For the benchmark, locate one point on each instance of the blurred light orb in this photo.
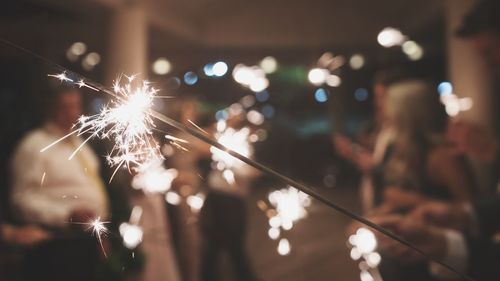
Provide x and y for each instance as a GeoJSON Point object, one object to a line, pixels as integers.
{"type": "Point", "coordinates": [259, 84]}
{"type": "Point", "coordinates": [321, 95]}
{"type": "Point", "coordinates": [195, 201]}
{"type": "Point", "coordinates": [92, 58]}
{"type": "Point", "coordinates": [284, 247]}
{"type": "Point", "coordinates": [275, 222]}
{"type": "Point", "coordinates": [219, 69]}
{"type": "Point", "coordinates": [365, 241]}
{"type": "Point", "coordinates": [173, 198]}
{"type": "Point", "coordinates": [390, 37]}
{"type": "Point", "coordinates": [242, 74]}
{"type": "Point", "coordinates": [78, 48]}
{"type": "Point", "coordinates": [413, 50]}
{"type": "Point", "coordinates": [235, 109]}
{"type": "Point", "coordinates": [190, 78]}
{"type": "Point", "coordinates": [355, 254]}
{"type": "Point", "coordinates": [162, 66]}
{"type": "Point", "coordinates": [90, 61]}
{"type": "Point", "coordinates": [445, 88]}
{"type": "Point", "coordinates": [131, 235]}
{"type": "Point", "coordinates": [366, 276]}
{"type": "Point", "coordinates": [268, 111]}
{"type": "Point", "coordinates": [357, 61]}
{"type": "Point", "coordinates": [208, 69]}
{"type": "Point", "coordinates": [262, 96]}
{"type": "Point", "coordinates": [255, 117]}
{"type": "Point", "coordinates": [373, 259]}
{"type": "Point", "coordinates": [221, 115]}
{"type": "Point", "coordinates": [274, 233]}
{"type": "Point", "coordinates": [333, 80]}
{"type": "Point", "coordinates": [317, 76]}
{"type": "Point", "coordinates": [269, 64]}
{"type": "Point", "coordinates": [247, 101]}
{"type": "Point", "coordinates": [361, 94]}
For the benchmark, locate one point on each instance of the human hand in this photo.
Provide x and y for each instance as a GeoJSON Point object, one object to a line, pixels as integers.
{"type": "Point", "coordinates": [431, 240]}
{"type": "Point", "coordinates": [396, 199]}
{"type": "Point", "coordinates": [26, 236]}
{"type": "Point", "coordinates": [342, 146]}
{"type": "Point", "coordinates": [455, 216]}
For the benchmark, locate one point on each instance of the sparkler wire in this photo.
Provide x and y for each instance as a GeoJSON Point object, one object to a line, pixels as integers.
{"type": "Point", "coordinates": [266, 170]}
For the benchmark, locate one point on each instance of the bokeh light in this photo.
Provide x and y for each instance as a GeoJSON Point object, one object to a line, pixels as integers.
{"type": "Point", "coordinates": [321, 95]}
{"type": "Point", "coordinates": [357, 61]}
{"type": "Point", "coordinates": [190, 78]}
{"type": "Point", "coordinates": [361, 94]}
{"type": "Point", "coordinates": [269, 64]}
{"type": "Point", "coordinates": [219, 69]}
{"type": "Point", "coordinates": [390, 37]}
{"type": "Point", "coordinates": [162, 66]}
{"type": "Point", "coordinates": [317, 76]}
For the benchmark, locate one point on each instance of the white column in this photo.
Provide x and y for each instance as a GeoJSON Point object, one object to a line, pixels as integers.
{"type": "Point", "coordinates": [470, 77]}
{"type": "Point", "coordinates": [127, 52]}
{"type": "Point", "coordinates": [127, 55]}
{"type": "Point", "coordinates": [468, 72]}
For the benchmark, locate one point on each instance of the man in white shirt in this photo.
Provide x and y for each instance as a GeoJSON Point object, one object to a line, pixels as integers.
{"type": "Point", "coordinates": [51, 191]}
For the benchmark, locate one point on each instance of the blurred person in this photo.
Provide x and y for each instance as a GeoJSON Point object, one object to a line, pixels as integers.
{"type": "Point", "coordinates": [419, 163]}
{"type": "Point", "coordinates": [366, 157]}
{"type": "Point", "coordinates": [58, 194]}
{"type": "Point", "coordinates": [223, 221]}
{"type": "Point", "coordinates": [461, 234]}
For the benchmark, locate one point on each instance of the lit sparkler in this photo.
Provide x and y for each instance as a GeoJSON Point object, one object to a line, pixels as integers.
{"type": "Point", "coordinates": [98, 228]}
{"type": "Point", "coordinates": [126, 120]}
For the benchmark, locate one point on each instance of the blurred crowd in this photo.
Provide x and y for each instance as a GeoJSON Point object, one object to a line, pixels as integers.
{"type": "Point", "coordinates": [417, 178]}
{"type": "Point", "coordinates": [417, 182]}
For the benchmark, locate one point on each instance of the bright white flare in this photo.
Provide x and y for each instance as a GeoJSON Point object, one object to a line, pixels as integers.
{"type": "Point", "coordinates": [284, 247]}
{"type": "Point", "coordinates": [390, 37]}
{"type": "Point", "coordinates": [131, 235]}
{"type": "Point", "coordinates": [290, 205]}
{"type": "Point", "coordinates": [99, 229]}
{"type": "Point", "coordinates": [153, 177]}
{"type": "Point", "coordinates": [236, 140]}
{"type": "Point", "coordinates": [252, 77]}
{"type": "Point", "coordinates": [317, 76]}
{"type": "Point", "coordinates": [131, 232]}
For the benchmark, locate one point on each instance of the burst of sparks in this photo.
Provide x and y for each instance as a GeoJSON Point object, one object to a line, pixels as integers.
{"type": "Point", "coordinates": [99, 229]}
{"type": "Point", "coordinates": [236, 140]}
{"type": "Point", "coordinates": [126, 120]}
{"type": "Point", "coordinates": [290, 205]}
